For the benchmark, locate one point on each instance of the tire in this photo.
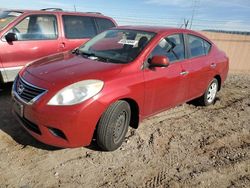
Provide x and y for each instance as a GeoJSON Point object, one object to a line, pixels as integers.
{"type": "Point", "coordinates": [209, 96]}
{"type": "Point", "coordinates": [113, 126]}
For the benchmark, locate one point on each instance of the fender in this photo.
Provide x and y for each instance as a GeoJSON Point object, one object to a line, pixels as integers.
{"type": "Point", "coordinates": [134, 92]}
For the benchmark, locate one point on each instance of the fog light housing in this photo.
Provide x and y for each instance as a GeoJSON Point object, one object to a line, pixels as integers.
{"type": "Point", "coordinates": [57, 133]}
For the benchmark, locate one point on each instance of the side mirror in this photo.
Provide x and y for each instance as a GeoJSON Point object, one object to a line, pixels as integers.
{"type": "Point", "coordinates": [159, 61]}
{"type": "Point", "coordinates": [10, 37]}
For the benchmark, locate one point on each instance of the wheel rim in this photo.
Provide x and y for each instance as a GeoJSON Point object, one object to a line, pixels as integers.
{"type": "Point", "coordinates": [212, 90]}
{"type": "Point", "coordinates": [120, 127]}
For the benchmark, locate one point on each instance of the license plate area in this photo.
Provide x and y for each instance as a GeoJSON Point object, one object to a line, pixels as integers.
{"type": "Point", "coordinates": [18, 107]}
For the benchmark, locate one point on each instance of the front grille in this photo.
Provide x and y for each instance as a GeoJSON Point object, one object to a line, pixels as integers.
{"type": "Point", "coordinates": [29, 125]}
{"type": "Point", "coordinates": [26, 91]}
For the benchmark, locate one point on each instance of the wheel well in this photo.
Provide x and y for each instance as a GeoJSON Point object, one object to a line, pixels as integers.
{"type": "Point", "coordinates": [219, 81]}
{"type": "Point", "coordinates": [134, 122]}
{"type": "Point", "coordinates": [1, 78]}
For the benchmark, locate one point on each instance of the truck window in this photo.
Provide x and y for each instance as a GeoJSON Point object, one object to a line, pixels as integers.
{"type": "Point", "coordinates": [78, 27]}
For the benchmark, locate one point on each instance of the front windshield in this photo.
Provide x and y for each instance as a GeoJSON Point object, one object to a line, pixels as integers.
{"type": "Point", "coordinates": [7, 16]}
{"type": "Point", "coordinates": [116, 46]}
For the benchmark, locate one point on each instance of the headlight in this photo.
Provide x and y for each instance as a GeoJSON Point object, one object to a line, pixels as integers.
{"type": "Point", "coordinates": [77, 92]}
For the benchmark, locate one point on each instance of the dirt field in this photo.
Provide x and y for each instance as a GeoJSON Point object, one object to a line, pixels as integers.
{"type": "Point", "coordinates": [183, 147]}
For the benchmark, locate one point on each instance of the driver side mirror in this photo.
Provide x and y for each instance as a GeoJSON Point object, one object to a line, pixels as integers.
{"type": "Point", "coordinates": [10, 37]}
{"type": "Point", "coordinates": [159, 61]}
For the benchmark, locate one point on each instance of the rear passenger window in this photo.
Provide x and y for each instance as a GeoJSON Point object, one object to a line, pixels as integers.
{"type": "Point", "coordinates": [104, 24]}
{"type": "Point", "coordinates": [198, 46]}
{"type": "Point", "coordinates": [36, 27]}
{"type": "Point", "coordinates": [78, 27]}
{"type": "Point", "coordinates": [207, 47]}
{"type": "Point", "coordinates": [172, 47]}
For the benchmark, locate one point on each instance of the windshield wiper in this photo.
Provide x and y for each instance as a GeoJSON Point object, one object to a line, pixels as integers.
{"type": "Point", "coordinates": [78, 52]}
{"type": "Point", "coordinates": [87, 54]}
{"type": "Point", "coordinates": [99, 58]}
{"type": "Point", "coordinates": [109, 60]}
{"type": "Point", "coordinates": [75, 51]}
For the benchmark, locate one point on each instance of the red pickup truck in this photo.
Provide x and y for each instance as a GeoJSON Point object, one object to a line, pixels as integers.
{"type": "Point", "coordinates": [28, 35]}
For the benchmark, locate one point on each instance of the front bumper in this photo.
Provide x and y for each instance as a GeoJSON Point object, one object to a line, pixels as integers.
{"type": "Point", "coordinates": [61, 126]}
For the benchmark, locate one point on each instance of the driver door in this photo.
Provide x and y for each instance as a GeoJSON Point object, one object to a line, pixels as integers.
{"type": "Point", "coordinates": [165, 87]}
{"type": "Point", "coordinates": [37, 36]}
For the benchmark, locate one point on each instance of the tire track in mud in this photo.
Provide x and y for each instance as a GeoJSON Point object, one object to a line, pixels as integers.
{"type": "Point", "coordinates": [182, 147]}
{"type": "Point", "coordinates": [220, 158]}
{"type": "Point", "coordinates": [224, 157]}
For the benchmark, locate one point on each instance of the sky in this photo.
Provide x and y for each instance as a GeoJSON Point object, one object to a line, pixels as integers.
{"type": "Point", "coordinates": [207, 14]}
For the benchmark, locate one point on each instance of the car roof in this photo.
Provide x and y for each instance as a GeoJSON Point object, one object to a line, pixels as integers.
{"type": "Point", "coordinates": [161, 30]}
{"type": "Point", "coordinates": [155, 29]}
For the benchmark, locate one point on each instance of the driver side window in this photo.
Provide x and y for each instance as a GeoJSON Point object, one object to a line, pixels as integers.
{"type": "Point", "coordinates": [171, 47]}
{"type": "Point", "coordinates": [36, 27]}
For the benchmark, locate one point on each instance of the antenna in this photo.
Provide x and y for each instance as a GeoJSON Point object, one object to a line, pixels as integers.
{"type": "Point", "coordinates": [195, 5]}
{"type": "Point", "coordinates": [186, 22]}
{"type": "Point", "coordinates": [75, 8]}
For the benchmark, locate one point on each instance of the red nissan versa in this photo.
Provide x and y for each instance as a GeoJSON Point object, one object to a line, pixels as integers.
{"type": "Point", "coordinates": [27, 35]}
{"type": "Point", "coordinates": [116, 79]}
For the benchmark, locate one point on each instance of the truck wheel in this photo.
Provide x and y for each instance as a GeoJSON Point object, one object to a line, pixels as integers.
{"type": "Point", "coordinates": [113, 126]}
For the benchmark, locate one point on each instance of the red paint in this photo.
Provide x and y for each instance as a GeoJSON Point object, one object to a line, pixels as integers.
{"type": "Point", "coordinates": [154, 90]}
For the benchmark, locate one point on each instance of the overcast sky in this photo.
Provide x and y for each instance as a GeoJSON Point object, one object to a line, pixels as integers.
{"type": "Point", "coordinates": [208, 14]}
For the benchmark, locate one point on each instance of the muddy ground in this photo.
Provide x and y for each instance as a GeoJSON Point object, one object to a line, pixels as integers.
{"type": "Point", "coordinates": [183, 147]}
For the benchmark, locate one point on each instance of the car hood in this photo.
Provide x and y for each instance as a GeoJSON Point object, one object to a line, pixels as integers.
{"type": "Point", "coordinates": [67, 68]}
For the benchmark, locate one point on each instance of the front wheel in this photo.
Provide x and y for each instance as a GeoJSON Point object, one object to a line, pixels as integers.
{"type": "Point", "coordinates": [209, 96]}
{"type": "Point", "coordinates": [113, 126]}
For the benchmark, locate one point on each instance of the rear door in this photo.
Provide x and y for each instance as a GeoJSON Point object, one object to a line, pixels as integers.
{"type": "Point", "coordinates": [37, 37]}
{"type": "Point", "coordinates": [197, 70]}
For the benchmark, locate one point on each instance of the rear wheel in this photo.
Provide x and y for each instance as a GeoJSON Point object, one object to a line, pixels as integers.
{"type": "Point", "coordinates": [113, 126]}
{"type": "Point", "coordinates": [209, 96]}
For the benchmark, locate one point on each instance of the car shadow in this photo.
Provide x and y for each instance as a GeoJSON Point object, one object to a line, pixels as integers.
{"type": "Point", "coordinates": [10, 125]}
{"type": "Point", "coordinates": [196, 103]}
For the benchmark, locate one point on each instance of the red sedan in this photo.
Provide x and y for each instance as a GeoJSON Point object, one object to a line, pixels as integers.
{"type": "Point", "coordinates": [114, 81]}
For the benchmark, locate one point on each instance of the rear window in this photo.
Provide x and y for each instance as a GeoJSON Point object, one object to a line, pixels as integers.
{"type": "Point", "coordinates": [207, 46]}
{"type": "Point", "coordinates": [198, 46]}
{"type": "Point", "coordinates": [78, 27]}
{"type": "Point", "coordinates": [104, 24]}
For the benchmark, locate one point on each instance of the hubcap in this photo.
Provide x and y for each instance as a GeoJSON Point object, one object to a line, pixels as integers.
{"type": "Point", "coordinates": [212, 90]}
{"type": "Point", "coordinates": [119, 127]}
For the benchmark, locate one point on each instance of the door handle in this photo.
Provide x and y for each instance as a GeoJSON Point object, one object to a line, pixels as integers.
{"type": "Point", "coordinates": [213, 65]}
{"type": "Point", "coordinates": [183, 73]}
{"type": "Point", "coordinates": [62, 45]}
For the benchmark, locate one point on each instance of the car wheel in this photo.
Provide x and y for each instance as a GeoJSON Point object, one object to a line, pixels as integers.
{"type": "Point", "coordinates": [209, 96]}
{"type": "Point", "coordinates": [113, 126]}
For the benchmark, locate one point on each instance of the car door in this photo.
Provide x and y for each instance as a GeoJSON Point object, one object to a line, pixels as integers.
{"type": "Point", "coordinates": [77, 30]}
{"type": "Point", "coordinates": [37, 36]}
{"type": "Point", "coordinates": [197, 69]}
{"type": "Point", "coordinates": [164, 87]}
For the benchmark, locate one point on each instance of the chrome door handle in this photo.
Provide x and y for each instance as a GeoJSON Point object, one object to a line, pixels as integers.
{"type": "Point", "coordinates": [184, 73]}
{"type": "Point", "coordinates": [213, 65]}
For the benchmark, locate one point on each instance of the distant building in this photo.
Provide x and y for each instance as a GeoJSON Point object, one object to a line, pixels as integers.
{"type": "Point", "coordinates": [229, 32]}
